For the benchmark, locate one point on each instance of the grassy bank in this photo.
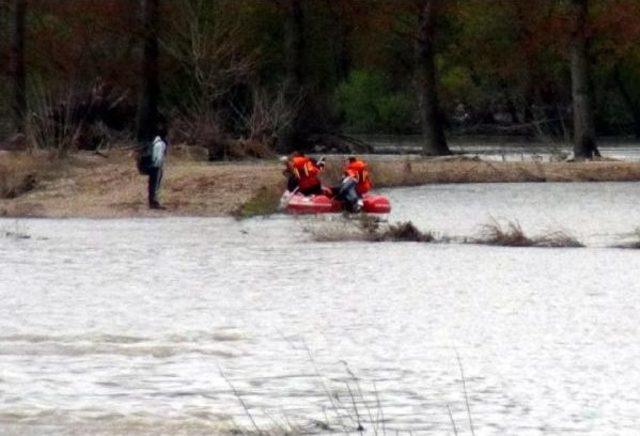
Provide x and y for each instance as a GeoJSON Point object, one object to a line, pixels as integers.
{"type": "Point", "coordinates": [464, 170]}
{"type": "Point", "coordinates": [94, 186]}
{"type": "Point", "coordinates": [91, 185]}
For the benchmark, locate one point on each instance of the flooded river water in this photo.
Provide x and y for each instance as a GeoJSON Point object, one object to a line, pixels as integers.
{"type": "Point", "coordinates": [193, 326]}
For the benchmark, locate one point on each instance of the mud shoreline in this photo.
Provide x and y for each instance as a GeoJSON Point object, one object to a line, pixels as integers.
{"type": "Point", "coordinates": [88, 185]}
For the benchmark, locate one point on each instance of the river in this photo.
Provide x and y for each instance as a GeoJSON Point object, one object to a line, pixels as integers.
{"type": "Point", "coordinates": [198, 326]}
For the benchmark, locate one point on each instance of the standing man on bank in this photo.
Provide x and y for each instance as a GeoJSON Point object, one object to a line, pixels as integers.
{"type": "Point", "coordinates": [158, 155]}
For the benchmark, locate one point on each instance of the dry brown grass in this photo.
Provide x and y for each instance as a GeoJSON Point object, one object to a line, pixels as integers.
{"type": "Point", "coordinates": [264, 201]}
{"type": "Point", "coordinates": [21, 172]}
{"type": "Point", "coordinates": [464, 170]}
{"type": "Point", "coordinates": [370, 229]}
{"type": "Point", "coordinates": [457, 169]}
{"type": "Point", "coordinates": [110, 187]}
{"type": "Point", "coordinates": [367, 228]}
{"type": "Point", "coordinates": [511, 235]}
{"type": "Point", "coordinates": [558, 239]}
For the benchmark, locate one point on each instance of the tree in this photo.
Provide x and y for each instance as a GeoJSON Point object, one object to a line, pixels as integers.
{"type": "Point", "coordinates": [295, 78]}
{"type": "Point", "coordinates": [148, 109]}
{"type": "Point", "coordinates": [343, 14]}
{"type": "Point", "coordinates": [582, 91]}
{"type": "Point", "coordinates": [616, 46]}
{"type": "Point", "coordinates": [206, 41]}
{"type": "Point", "coordinates": [17, 65]}
{"type": "Point", "coordinates": [630, 101]}
{"type": "Point", "coordinates": [435, 142]}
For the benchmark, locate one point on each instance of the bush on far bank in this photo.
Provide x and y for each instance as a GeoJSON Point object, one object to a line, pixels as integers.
{"type": "Point", "coordinates": [367, 103]}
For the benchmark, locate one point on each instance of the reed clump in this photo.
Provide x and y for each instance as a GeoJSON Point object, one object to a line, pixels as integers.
{"type": "Point", "coordinates": [368, 228]}
{"type": "Point", "coordinates": [404, 232]}
{"type": "Point", "coordinates": [510, 234]}
{"type": "Point", "coordinates": [558, 239]}
{"type": "Point", "coordinates": [634, 243]}
{"type": "Point", "coordinates": [352, 406]}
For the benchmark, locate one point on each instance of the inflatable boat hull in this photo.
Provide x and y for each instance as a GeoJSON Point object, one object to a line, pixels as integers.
{"type": "Point", "coordinates": [313, 204]}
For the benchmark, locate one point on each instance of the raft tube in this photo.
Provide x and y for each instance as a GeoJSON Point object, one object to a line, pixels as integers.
{"type": "Point", "coordinates": [313, 204]}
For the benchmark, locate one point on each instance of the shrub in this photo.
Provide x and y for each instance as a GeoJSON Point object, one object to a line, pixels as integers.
{"type": "Point", "coordinates": [395, 112]}
{"type": "Point", "coordinates": [368, 104]}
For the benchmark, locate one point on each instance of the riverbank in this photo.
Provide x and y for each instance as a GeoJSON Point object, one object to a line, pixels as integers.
{"type": "Point", "coordinates": [90, 185]}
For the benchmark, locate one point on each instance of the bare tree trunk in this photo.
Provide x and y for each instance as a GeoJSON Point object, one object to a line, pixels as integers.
{"type": "Point", "coordinates": [583, 118]}
{"type": "Point", "coordinates": [295, 46]}
{"type": "Point", "coordinates": [344, 54]}
{"type": "Point", "coordinates": [148, 109]}
{"type": "Point", "coordinates": [435, 142]}
{"type": "Point", "coordinates": [17, 65]}
{"type": "Point", "coordinates": [343, 31]}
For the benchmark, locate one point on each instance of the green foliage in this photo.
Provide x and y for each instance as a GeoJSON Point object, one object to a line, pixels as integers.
{"type": "Point", "coordinates": [368, 104]}
{"type": "Point", "coordinates": [356, 100]}
{"type": "Point", "coordinates": [458, 87]}
{"type": "Point", "coordinates": [395, 112]}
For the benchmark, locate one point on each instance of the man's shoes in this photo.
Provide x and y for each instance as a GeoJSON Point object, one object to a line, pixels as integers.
{"type": "Point", "coordinates": [157, 206]}
{"type": "Point", "coordinates": [357, 207]}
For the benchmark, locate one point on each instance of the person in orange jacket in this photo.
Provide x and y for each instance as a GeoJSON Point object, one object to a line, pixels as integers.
{"type": "Point", "coordinates": [304, 174]}
{"type": "Point", "coordinates": [359, 170]}
{"type": "Point", "coordinates": [355, 184]}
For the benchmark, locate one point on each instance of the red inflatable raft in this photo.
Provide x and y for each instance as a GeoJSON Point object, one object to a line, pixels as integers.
{"type": "Point", "coordinates": [300, 204]}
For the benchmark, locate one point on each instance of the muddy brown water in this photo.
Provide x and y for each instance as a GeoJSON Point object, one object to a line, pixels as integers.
{"type": "Point", "coordinates": [163, 326]}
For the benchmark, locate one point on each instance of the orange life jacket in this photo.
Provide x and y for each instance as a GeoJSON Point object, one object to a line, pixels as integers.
{"type": "Point", "coordinates": [305, 171]}
{"type": "Point", "coordinates": [359, 170]}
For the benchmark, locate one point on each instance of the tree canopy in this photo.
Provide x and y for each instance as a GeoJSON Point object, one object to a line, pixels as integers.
{"type": "Point", "coordinates": [501, 65]}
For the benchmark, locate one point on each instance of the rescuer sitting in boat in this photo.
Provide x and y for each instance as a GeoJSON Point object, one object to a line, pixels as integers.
{"type": "Point", "coordinates": [292, 181]}
{"type": "Point", "coordinates": [303, 174]}
{"type": "Point", "coordinates": [355, 184]}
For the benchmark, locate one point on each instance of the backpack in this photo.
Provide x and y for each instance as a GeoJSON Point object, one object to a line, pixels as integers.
{"type": "Point", "coordinates": [143, 159]}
